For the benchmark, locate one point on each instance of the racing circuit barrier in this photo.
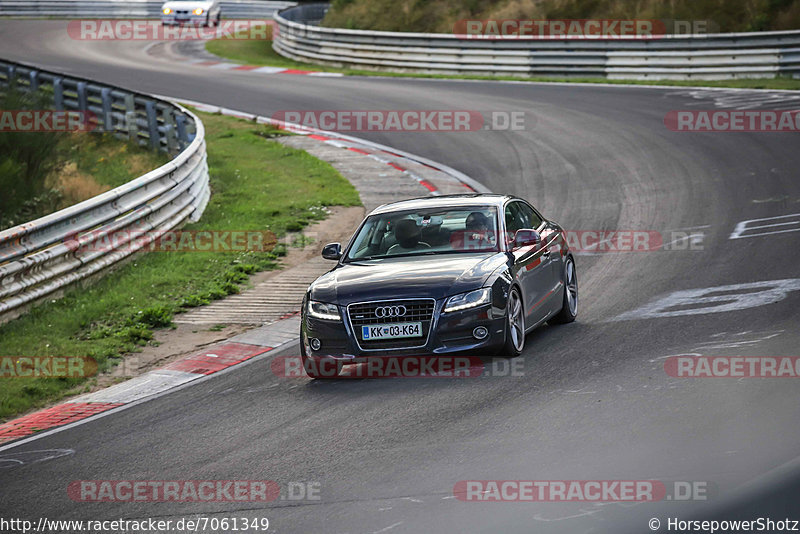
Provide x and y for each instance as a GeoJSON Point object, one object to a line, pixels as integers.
{"type": "Point", "coordinates": [670, 57]}
{"type": "Point", "coordinates": [231, 9]}
{"type": "Point", "coordinates": [41, 258]}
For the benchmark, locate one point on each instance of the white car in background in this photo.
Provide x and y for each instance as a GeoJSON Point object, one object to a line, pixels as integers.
{"type": "Point", "coordinates": [194, 12]}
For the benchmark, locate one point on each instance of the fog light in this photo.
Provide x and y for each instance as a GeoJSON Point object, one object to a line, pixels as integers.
{"type": "Point", "coordinates": [480, 332]}
{"type": "Point", "coordinates": [315, 343]}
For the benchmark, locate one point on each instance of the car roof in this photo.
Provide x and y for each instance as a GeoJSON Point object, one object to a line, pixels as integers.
{"type": "Point", "coordinates": [443, 201]}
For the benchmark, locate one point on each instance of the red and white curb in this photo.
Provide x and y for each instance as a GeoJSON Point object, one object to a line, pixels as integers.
{"type": "Point", "coordinates": [192, 367]}
{"type": "Point", "coordinates": [455, 181]}
{"type": "Point", "coordinates": [246, 347]}
{"type": "Point", "coordinates": [214, 62]}
{"type": "Point", "coordinates": [227, 65]}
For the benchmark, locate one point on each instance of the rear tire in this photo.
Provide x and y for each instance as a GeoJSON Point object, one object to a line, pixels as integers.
{"type": "Point", "coordinates": [569, 306]}
{"type": "Point", "coordinates": [515, 326]}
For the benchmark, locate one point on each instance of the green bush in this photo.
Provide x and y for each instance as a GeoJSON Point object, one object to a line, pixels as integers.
{"type": "Point", "coordinates": [25, 157]}
{"type": "Point", "coordinates": [156, 317]}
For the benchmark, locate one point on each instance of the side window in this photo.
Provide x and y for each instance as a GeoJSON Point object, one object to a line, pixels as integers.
{"type": "Point", "coordinates": [519, 215]}
{"type": "Point", "coordinates": [512, 222]}
{"type": "Point", "coordinates": [528, 217]}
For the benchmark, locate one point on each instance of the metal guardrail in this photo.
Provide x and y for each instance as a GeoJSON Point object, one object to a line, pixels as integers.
{"type": "Point", "coordinates": [41, 258]}
{"type": "Point", "coordinates": [696, 57]}
{"type": "Point", "coordinates": [231, 9]}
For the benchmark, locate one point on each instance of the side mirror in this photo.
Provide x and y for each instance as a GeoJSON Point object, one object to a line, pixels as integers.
{"type": "Point", "coordinates": [332, 251]}
{"type": "Point", "coordinates": [526, 238]}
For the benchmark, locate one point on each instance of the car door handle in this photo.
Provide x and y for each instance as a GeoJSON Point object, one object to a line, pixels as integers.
{"type": "Point", "coordinates": [546, 253]}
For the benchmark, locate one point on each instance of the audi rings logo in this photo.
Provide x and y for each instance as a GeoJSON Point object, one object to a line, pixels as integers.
{"type": "Point", "coordinates": [390, 311]}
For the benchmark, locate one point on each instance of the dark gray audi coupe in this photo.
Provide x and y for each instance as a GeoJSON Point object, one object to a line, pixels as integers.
{"type": "Point", "coordinates": [446, 275]}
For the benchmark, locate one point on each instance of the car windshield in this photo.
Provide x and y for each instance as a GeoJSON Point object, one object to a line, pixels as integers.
{"type": "Point", "coordinates": [427, 232]}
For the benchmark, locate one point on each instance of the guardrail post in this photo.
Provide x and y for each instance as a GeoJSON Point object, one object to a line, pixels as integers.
{"type": "Point", "coordinates": [105, 94]}
{"type": "Point", "coordinates": [58, 93]}
{"type": "Point", "coordinates": [152, 124]}
{"type": "Point", "coordinates": [11, 76]}
{"type": "Point", "coordinates": [180, 125]}
{"type": "Point", "coordinates": [131, 125]}
{"type": "Point", "coordinates": [169, 131]}
{"type": "Point", "coordinates": [83, 103]}
{"type": "Point", "coordinates": [33, 76]}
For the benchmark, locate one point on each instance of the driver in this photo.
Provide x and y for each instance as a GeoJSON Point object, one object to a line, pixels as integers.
{"type": "Point", "coordinates": [407, 234]}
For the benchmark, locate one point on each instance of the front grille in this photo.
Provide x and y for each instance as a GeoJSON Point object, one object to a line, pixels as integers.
{"type": "Point", "coordinates": [417, 310]}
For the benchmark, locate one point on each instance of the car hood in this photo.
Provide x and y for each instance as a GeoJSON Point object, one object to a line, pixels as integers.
{"type": "Point", "coordinates": [436, 277]}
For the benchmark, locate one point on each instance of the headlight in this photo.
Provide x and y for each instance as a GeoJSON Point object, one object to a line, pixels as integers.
{"type": "Point", "coordinates": [321, 310]}
{"type": "Point", "coordinates": [468, 300]}
{"type": "Point", "coordinates": [167, 11]}
{"type": "Point", "coordinates": [198, 11]}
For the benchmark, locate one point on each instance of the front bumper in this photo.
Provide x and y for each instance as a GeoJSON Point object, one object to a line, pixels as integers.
{"type": "Point", "coordinates": [450, 334]}
{"type": "Point", "coordinates": [180, 20]}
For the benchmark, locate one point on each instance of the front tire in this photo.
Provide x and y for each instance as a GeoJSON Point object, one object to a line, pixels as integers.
{"type": "Point", "coordinates": [515, 325]}
{"type": "Point", "coordinates": [569, 307]}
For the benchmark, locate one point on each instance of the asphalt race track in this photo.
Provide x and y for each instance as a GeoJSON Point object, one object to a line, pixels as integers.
{"type": "Point", "coordinates": [594, 401]}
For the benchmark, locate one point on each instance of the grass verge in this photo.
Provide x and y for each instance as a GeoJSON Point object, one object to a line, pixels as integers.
{"type": "Point", "coordinates": [257, 184]}
{"type": "Point", "coordinates": [83, 166]}
{"type": "Point", "coordinates": [255, 52]}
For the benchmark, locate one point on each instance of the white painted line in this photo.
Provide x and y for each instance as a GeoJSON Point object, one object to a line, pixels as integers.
{"type": "Point", "coordinates": [772, 225]}
{"type": "Point", "coordinates": [745, 226]}
{"type": "Point", "coordinates": [700, 227]}
{"type": "Point", "coordinates": [714, 299]}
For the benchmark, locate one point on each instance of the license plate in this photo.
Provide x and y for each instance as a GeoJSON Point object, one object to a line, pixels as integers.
{"type": "Point", "coordinates": [391, 331]}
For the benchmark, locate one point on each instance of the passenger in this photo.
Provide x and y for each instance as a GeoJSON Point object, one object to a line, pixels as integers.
{"type": "Point", "coordinates": [477, 234]}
